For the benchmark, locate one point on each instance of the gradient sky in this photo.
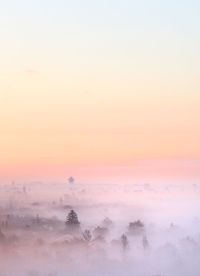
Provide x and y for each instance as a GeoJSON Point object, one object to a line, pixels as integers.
{"type": "Point", "coordinates": [97, 83]}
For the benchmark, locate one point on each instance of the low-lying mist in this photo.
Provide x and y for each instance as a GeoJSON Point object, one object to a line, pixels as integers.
{"type": "Point", "coordinates": [61, 229]}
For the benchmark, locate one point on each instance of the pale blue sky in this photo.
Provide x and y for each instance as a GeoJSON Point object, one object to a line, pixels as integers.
{"type": "Point", "coordinates": [126, 31]}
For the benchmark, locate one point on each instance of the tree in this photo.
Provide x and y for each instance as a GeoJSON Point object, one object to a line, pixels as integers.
{"type": "Point", "coordinates": [136, 227]}
{"type": "Point", "coordinates": [145, 242]}
{"type": "Point", "coordinates": [38, 220]}
{"type": "Point", "coordinates": [100, 231]}
{"type": "Point", "coordinates": [72, 220]}
{"type": "Point", "coordinates": [1, 235]}
{"type": "Point", "coordinates": [107, 222]}
{"type": "Point", "coordinates": [87, 235]}
{"type": "Point", "coordinates": [124, 242]}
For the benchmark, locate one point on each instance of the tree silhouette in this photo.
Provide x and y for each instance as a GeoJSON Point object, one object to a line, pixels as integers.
{"type": "Point", "coordinates": [100, 231]}
{"type": "Point", "coordinates": [145, 242]}
{"type": "Point", "coordinates": [136, 227]}
{"type": "Point", "coordinates": [72, 220]}
{"type": "Point", "coordinates": [2, 236]}
{"type": "Point", "coordinates": [107, 222]}
{"type": "Point", "coordinates": [124, 242]}
{"type": "Point", "coordinates": [87, 235]}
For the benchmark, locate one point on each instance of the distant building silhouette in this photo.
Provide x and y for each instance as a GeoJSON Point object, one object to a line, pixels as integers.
{"type": "Point", "coordinates": [71, 180]}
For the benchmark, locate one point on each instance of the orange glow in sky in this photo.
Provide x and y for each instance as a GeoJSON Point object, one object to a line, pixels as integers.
{"type": "Point", "coordinates": [73, 93]}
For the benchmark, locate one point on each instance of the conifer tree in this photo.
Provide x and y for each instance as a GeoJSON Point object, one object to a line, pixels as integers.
{"type": "Point", "coordinates": [72, 219]}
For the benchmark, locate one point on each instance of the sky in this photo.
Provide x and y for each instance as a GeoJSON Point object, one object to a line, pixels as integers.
{"type": "Point", "coordinates": [102, 84]}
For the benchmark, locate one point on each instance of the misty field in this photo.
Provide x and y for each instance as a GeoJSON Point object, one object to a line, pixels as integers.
{"type": "Point", "coordinates": [59, 229]}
